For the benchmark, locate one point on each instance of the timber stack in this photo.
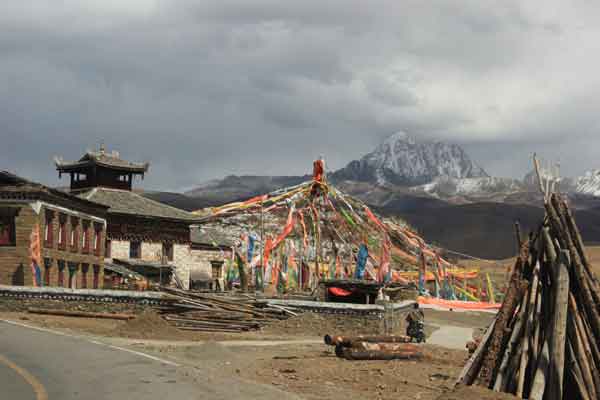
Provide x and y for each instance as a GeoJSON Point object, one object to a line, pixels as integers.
{"type": "Point", "coordinates": [210, 313]}
{"type": "Point", "coordinates": [544, 342]}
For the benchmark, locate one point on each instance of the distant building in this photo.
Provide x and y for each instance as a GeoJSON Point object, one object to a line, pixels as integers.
{"type": "Point", "coordinates": [63, 234]}
{"type": "Point", "coordinates": [212, 249]}
{"type": "Point", "coordinates": [139, 229]}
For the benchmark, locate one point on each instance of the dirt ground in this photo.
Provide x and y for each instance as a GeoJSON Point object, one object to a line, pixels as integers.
{"type": "Point", "coordinates": [302, 364]}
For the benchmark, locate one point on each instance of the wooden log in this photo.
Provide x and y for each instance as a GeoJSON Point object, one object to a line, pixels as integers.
{"type": "Point", "coordinates": [579, 355]}
{"type": "Point", "coordinates": [358, 354]}
{"type": "Point", "coordinates": [511, 349]}
{"type": "Point", "coordinates": [499, 338]}
{"type": "Point", "coordinates": [473, 365]}
{"type": "Point", "coordinates": [576, 235]}
{"type": "Point", "coordinates": [559, 326]}
{"type": "Point", "coordinates": [589, 348]}
{"type": "Point", "coordinates": [510, 385]}
{"type": "Point", "coordinates": [541, 373]}
{"type": "Point", "coordinates": [530, 306]}
{"type": "Point", "coordinates": [582, 280]}
{"type": "Point", "coordinates": [575, 372]}
{"type": "Point", "coordinates": [550, 251]}
{"type": "Point", "coordinates": [347, 341]}
{"type": "Point", "coordinates": [518, 236]}
{"type": "Point", "coordinates": [81, 314]}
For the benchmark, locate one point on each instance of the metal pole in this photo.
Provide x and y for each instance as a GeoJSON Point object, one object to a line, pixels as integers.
{"type": "Point", "coordinates": [262, 252]}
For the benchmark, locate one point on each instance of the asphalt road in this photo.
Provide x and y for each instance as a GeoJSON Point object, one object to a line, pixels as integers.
{"type": "Point", "coordinates": [43, 365]}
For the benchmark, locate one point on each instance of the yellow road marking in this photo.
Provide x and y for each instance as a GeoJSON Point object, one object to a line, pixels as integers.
{"type": "Point", "coordinates": [38, 388]}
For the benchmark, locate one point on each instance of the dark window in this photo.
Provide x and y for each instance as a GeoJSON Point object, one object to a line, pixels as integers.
{"type": "Point", "coordinates": [49, 229]}
{"type": "Point", "coordinates": [47, 267]}
{"type": "Point", "coordinates": [7, 231]}
{"type": "Point", "coordinates": [62, 231]}
{"type": "Point", "coordinates": [74, 234]}
{"type": "Point", "coordinates": [86, 237]}
{"type": "Point", "coordinates": [84, 273]}
{"type": "Point", "coordinates": [107, 244]}
{"type": "Point", "coordinates": [135, 249]}
{"type": "Point", "coordinates": [96, 276]}
{"type": "Point", "coordinates": [61, 273]}
{"type": "Point", "coordinates": [217, 269]}
{"type": "Point", "coordinates": [167, 251]}
{"type": "Point", "coordinates": [72, 275]}
{"type": "Point", "coordinates": [97, 239]}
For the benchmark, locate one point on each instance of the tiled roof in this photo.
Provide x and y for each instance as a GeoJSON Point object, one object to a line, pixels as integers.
{"type": "Point", "coordinates": [16, 187]}
{"type": "Point", "coordinates": [202, 234]}
{"type": "Point", "coordinates": [126, 202]}
{"type": "Point", "coordinates": [110, 160]}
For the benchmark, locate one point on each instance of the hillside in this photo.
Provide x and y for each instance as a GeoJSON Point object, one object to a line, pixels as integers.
{"type": "Point", "coordinates": [484, 230]}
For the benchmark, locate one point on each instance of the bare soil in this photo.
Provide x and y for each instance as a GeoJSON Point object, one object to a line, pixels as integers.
{"type": "Point", "coordinates": [309, 369]}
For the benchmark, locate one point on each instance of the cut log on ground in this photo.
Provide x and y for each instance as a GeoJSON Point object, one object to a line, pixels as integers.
{"type": "Point", "coordinates": [80, 314]}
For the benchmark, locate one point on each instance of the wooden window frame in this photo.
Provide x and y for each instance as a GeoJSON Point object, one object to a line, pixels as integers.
{"type": "Point", "coordinates": [47, 269]}
{"type": "Point", "coordinates": [9, 223]}
{"type": "Point", "coordinates": [62, 232]}
{"type": "Point", "coordinates": [96, 278]}
{"type": "Point", "coordinates": [49, 229]}
{"type": "Point", "coordinates": [133, 254]}
{"type": "Point", "coordinates": [168, 255]}
{"type": "Point", "coordinates": [84, 273]}
{"type": "Point", "coordinates": [107, 248]}
{"type": "Point", "coordinates": [97, 239]}
{"type": "Point", "coordinates": [85, 237]}
{"type": "Point", "coordinates": [216, 265]}
{"type": "Point", "coordinates": [74, 235]}
{"type": "Point", "coordinates": [72, 278]}
{"type": "Point", "coordinates": [61, 265]}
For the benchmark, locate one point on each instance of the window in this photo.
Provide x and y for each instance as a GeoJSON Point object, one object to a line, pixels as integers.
{"type": "Point", "coordinates": [7, 231]}
{"type": "Point", "coordinates": [49, 229]}
{"type": "Point", "coordinates": [96, 276]}
{"type": "Point", "coordinates": [85, 237]}
{"type": "Point", "coordinates": [47, 267]}
{"type": "Point", "coordinates": [62, 231]}
{"type": "Point", "coordinates": [135, 249]}
{"type": "Point", "coordinates": [84, 272]}
{"type": "Point", "coordinates": [107, 245]}
{"type": "Point", "coordinates": [61, 273]}
{"type": "Point", "coordinates": [167, 251]}
{"type": "Point", "coordinates": [72, 275]}
{"type": "Point", "coordinates": [97, 239]}
{"type": "Point", "coordinates": [217, 269]}
{"type": "Point", "coordinates": [74, 233]}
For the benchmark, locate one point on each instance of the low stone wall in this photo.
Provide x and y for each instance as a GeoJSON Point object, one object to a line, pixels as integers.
{"type": "Point", "coordinates": [21, 305]}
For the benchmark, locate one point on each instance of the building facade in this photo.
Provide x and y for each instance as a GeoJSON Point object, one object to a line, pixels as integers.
{"type": "Point", "coordinates": [48, 237]}
{"type": "Point", "coordinates": [139, 228]}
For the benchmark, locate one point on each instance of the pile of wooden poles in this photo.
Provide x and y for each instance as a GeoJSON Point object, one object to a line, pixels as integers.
{"type": "Point", "coordinates": [544, 342]}
{"type": "Point", "coordinates": [212, 313]}
{"type": "Point", "coordinates": [374, 347]}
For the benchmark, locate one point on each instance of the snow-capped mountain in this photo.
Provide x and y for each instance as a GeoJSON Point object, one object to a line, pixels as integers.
{"type": "Point", "coordinates": [446, 187]}
{"type": "Point", "coordinates": [588, 184]}
{"type": "Point", "coordinates": [403, 160]}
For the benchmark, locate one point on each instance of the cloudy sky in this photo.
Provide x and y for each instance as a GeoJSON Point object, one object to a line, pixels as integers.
{"type": "Point", "coordinates": [203, 89]}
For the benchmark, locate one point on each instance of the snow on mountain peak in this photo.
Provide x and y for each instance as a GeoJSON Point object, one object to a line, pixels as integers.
{"type": "Point", "coordinates": [405, 160]}
{"type": "Point", "coordinates": [589, 183]}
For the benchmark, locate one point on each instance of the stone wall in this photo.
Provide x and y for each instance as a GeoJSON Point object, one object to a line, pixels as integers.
{"type": "Point", "coordinates": [119, 249]}
{"type": "Point", "coordinates": [201, 261]}
{"type": "Point", "coordinates": [183, 261]}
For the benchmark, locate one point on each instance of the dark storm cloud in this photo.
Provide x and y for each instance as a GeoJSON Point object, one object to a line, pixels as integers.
{"type": "Point", "coordinates": [202, 89]}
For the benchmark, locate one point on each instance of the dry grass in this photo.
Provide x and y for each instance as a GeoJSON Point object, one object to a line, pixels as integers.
{"type": "Point", "coordinates": [498, 269]}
